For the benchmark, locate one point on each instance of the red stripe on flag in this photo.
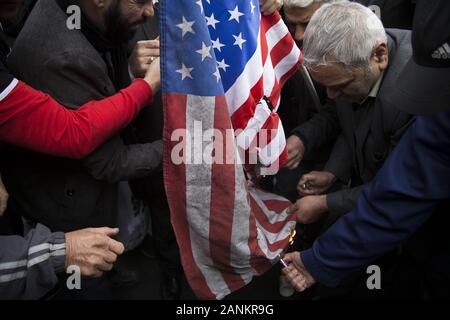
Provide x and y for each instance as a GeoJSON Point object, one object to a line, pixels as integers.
{"type": "Point", "coordinates": [222, 204]}
{"type": "Point", "coordinates": [244, 113]}
{"type": "Point", "coordinates": [291, 72]}
{"type": "Point", "coordinates": [275, 227]}
{"type": "Point", "coordinates": [278, 206]}
{"type": "Point", "coordinates": [175, 184]}
{"type": "Point", "coordinates": [258, 259]}
{"type": "Point", "coordinates": [281, 49]}
{"type": "Point", "coordinates": [268, 22]}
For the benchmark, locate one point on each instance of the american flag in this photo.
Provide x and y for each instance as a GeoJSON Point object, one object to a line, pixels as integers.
{"type": "Point", "coordinates": [222, 69]}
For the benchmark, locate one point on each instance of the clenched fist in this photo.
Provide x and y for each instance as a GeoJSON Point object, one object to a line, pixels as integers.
{"type": "Point", "coordinates": [270, 6]}
{"type": "Point", "coordinates": [310, 209]}
{"type": "Point", "coordinates": [92, 250]}
{"type": "Point", "coordinates": [296, 150]}
{"type": "Point", "coordinates": [315, 182]}
{"type": "Point", "coordinates": [144, 54]}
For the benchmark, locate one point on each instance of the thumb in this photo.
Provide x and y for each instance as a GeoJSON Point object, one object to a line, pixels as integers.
{"type": "Point", "coordinates": [116, 246]}
{"type": "Point", "coordinates": [110, 232]}
{"type": "Point", "coordinates": [306, 178]}
{"type": "Point", "coordinates": [293, 208]}
{"type": "Point", "coordinates": [290, 257]}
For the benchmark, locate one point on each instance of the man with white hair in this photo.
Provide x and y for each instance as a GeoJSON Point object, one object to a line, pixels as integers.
{"type": "Point", "coordinates": [347, 50]}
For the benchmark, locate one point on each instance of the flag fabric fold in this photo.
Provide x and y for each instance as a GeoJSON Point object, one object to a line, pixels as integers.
{"type": "Point", "coordinates": [223, 66]}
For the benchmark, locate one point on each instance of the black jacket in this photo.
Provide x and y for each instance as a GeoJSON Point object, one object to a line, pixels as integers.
{"type": "Point", "coordinates": [363, 145]}
{"type": "Point", "coordinates": [67, 194]}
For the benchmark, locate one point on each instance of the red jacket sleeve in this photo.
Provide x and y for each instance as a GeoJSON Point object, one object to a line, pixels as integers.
{"type": "Point", "coordinates": [33, 120]}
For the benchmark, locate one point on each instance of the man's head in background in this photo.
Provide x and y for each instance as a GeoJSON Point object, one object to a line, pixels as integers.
{"type": "Point", "coordinates": [9, 9]}
{"type": "Point", "coordinates": [117, 19]}
{"type": "Point", "coordinates": [297, 14]}
{"type": "Point", "coordinates": [345, 49]}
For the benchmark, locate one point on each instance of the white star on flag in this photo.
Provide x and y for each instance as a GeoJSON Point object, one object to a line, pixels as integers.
{"type": "Point", "coordinates": [217, 74]}
{"type": "Point", "coordinates": [186, 26]}
{"type": "Point", "coordinates": [235, 14]}
{"type": "Point", "coordinates": [239, 40]}
{"type": "Point", "coordinates": [222, 65]}
{"type": "Point", "coordinates": [205, 51]}
{"type": "Point", "coordinates": [200, 4]}
{"type": "Point", "coordinates": [217, 45]}
{"type": "Point", "coordinates": [252, 6]}
{"type": "Point", "coordinates": [211, 21]}
{"type": "Point", "coordinates": [185, 72]}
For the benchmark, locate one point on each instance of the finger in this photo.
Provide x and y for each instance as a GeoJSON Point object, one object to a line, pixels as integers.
{"type": "Point", "coordinates": [289, 257]}
{"type": "Point", "coordinates": [108, 256]}
{"type": "Point", "coordinates": [289, 164]}
{"type": "Point", "coordinates": [270, 10]}
{"type": "Point", "coordinates": [303, 179]}
{"type": "Point", "coordinates": [144, 53]}
{"type": "Point", "coordinates": [104, 266]}
{"type": "Point", "coordinates": [110, 232]}
{"type": "Point", "coordinates": [116, 246]}
{"type": "Point", "coordinates": [307, 192]}
{"type": "Point", "coordinates": [296, 164]}
{"type": "Point", "coordinates": [149, 44]}
{"type": "Point", "coordinates": [294, 208]}
{"type": "Point", "coordinates": [97, 262]}
{"type": "Point", "coordinates": [91, 272]}
{"type": "Point", "coordinates": [265, 5]}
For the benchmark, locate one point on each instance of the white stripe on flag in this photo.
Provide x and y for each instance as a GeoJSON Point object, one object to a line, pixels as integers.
{"type": "Point", "coordinates": [287, 63]}
{"type": "Point", "coordinates": [241, 227]}
{"type": "Point", "coordinates": [246, 137]}
{"type": "Point", "coordinates": [268, 77]}
{"type": "Point", "coordinates": [276, 33]}
{"type": "Point", "coordinates": [198, 196]}
{"type": "Point", "coordinates": [240, 90]}
{"type": "Point", "coordinates": [270, 153]}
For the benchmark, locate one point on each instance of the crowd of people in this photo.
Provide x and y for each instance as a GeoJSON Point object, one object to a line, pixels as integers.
{"type": "Point", "coordinates": [368, 141]}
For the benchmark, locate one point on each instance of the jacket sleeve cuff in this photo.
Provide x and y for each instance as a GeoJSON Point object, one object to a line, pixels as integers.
{"type": "Point", "coordinates": [58, 251]}
{"type": "Point", "coordinates": [336, 169]}
{"type": "Point", "coordinates": [319, 272]}
{"type": "Point", "coordinates": [334, 203]}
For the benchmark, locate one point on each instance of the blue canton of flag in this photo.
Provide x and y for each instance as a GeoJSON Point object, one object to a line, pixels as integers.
{"type": "Point", "coordinates": [214, 41]}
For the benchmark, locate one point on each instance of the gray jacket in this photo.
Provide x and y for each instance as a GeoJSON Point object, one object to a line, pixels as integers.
{"type": "Point", "coordinates": [365, 140]}
{"type": "Point", "coordinates": [65, 194]}
{"type": "Point", "coordinates": [29, 266]}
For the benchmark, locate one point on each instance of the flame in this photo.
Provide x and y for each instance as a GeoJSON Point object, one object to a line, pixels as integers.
{"type": "Point", "coordinates": [292, 236]}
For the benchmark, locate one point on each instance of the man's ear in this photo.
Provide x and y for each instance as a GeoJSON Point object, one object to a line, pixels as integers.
{"type": "Point", "coordinates": [380, 56]}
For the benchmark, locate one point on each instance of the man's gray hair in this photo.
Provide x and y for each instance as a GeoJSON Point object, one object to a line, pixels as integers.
{"type": "Point", "coordinates": [342, 32]}
{"type": "Point", "coordinates": [302, 3]}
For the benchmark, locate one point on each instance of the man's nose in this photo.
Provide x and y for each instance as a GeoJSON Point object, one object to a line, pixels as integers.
{"type": "Point", "coordinates": [299, 33]}
{"type": "Point", "coordinates": [149, 10]}
{"type": "Point", "coordinates": [333, 93]}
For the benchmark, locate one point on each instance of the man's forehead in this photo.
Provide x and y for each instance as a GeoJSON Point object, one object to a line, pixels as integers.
{"type": "Point", "coordinates": [331, 75]}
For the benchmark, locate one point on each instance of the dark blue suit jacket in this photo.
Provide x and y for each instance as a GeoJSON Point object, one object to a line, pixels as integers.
{"type": "Point", "coordinates": [402, 197]}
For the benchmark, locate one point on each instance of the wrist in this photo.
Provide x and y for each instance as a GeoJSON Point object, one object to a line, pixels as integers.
{"type": "Point", "coordinates": [154, 85]}
{"type": "Point", "coordinates": [330, 177]}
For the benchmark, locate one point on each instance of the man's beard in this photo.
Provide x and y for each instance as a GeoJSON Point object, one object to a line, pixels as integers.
{"type": "Point", "coordinates": [9, 9]}
{"type": "Point", "coordinates": [118, 29]}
